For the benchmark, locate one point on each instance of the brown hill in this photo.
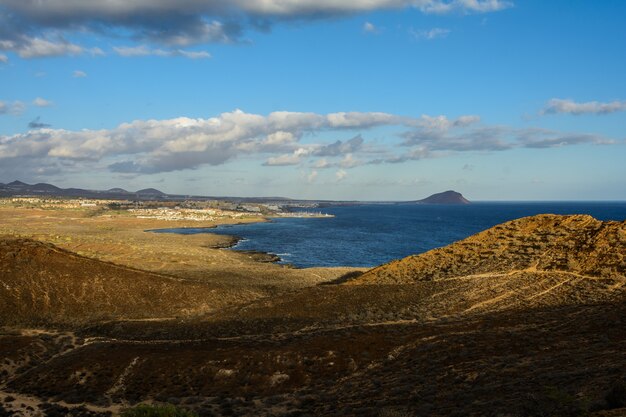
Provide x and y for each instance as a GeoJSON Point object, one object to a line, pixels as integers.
{"type": "Point", "coordinates": [40, 283]}
{"type": "Point", "coordinates": [524, 319]}
{"type": "Point", "coordinates": [574, 244]}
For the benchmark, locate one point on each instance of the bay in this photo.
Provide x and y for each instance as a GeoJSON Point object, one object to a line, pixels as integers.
{"type": "Point", "coordinates": [367, 235]}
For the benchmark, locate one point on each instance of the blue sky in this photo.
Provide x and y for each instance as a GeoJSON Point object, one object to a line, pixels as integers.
{"type": "Point", "coordinates": [370, 100]}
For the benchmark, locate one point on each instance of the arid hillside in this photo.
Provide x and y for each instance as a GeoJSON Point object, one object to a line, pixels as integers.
{"type": "Point", "coordinates": [579, 245]}
{"type": "Point", "coordinates": [42, 284]}
{"type": "Point", "coordinates": [524, 319]}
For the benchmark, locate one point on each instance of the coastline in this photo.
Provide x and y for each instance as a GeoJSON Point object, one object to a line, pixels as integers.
{"type": "Point", "coordinates": [231, 241]}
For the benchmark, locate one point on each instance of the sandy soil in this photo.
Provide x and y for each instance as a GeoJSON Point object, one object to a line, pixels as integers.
{"type": "Point", "coordinates": [525, 319]}
{"type": "Point", "coordinates": [124, 240]}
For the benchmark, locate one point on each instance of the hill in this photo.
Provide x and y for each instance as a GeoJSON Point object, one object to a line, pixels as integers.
{"type": "Point", "coordinates": [446, 197]}
{"type": "Point", "coordinates": [523, 319]}
{"type": "Point", "coordinates": [574, 244]}
{"type": "Point", "coordinates": [150, 192]}
{"type": "Point", "coordinates": [42, 284]}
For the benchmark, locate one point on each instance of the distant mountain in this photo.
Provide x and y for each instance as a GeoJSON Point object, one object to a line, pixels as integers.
{"type": "Point", "coordinates": [43, 187]}
{"type": "Point", "coordinates": [36, 188]}
{"type": "Point", "coordinates": [447, 197]}
{"type": "Point", "coordinates": [19, 188]}
{"type": "Point", "coordinates": [17, 184]}
{"type": "Point", "coordinates": [151, 192]}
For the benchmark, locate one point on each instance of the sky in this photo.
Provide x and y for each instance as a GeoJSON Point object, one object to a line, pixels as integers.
{"type": "Point", "coordinates": [317, 99]}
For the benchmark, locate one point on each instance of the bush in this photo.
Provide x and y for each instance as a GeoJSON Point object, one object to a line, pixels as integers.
{"type": "Point", "coordinates": [554, 402]}
{"type": "Point", "coordinates": [616, 398]}
{"type": "Point", "coordinates": [168, 410]}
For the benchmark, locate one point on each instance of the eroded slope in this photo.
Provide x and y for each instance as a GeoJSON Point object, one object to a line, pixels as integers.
{"type": "Point", "coordinates": [40, 283]}
{"type": "Point", "coordinates": [575, 244]}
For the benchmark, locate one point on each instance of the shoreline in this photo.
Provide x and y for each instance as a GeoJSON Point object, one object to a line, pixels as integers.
{"type": "Point", "coordinates": [234, 240]}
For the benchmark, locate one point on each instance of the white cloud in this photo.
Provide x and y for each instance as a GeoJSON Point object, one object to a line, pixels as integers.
{"type": "Point", "coordinates": [39, 46]}
{"type": "Point", "coordinates": [151, 146]}
{"type": "Point", "coordinates": [4, 59]}
{"type": "Point", "coordinates": [184, 143]}
{"type": "Point", "coordinates": [349, 161]}
{"type": "Point", "coordinates": [369, 27]}
{"type": "Point", "coordinates": [430, 34]}
{"type": "Point", "coordinates": [341, 175]}
{"type": "Point", "coordinates": [322, 163]}
{"type": "Point", "coordinates": [283, 160]}
{"type": "Point", "coordinates": [79, 74]}
{"type": "Point", "coordinates": [15, 108]}
{"type": "Point", "coordinates": [464, 6]}
{"type": "Point", "coordinates": [35, 28]}
{"type": "Point", "coordinates": [312, 176]}
{"type": "Point", "coordinates": [142, 50]}
{"type": "Point", "coordinates": [60, 10]}
{"type": "Point", "coordinates": [349, 120]}
{"type": "Point", "coordinates": [41, 102]}
{"type": "Point", "coordinates": [556, 106]}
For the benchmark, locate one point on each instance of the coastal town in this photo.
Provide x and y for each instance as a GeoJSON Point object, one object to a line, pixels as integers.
{"type": "Point", "coordinates": [200, 211]}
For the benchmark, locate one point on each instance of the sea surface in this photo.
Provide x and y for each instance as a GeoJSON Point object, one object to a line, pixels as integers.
{"type": "Point", "coordinates": [371, 234]}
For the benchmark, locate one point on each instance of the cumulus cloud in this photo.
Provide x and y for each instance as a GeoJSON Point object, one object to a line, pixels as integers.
{"type": "Point", "coordinates": [3, 59]}
{"type": "Point", "coordinates": [15, 108]}
{"type": "Point", "coordinates": [27, 46]}
{"type": "Point", "coordinates": [288, 159]}
{"type": "Point", "coordinates": [341, 148]}
{"type": "Point", "coordinates": [183, 143]}
{"type": "Point", "coordinates": [430, 34]}
{"type": "Point", "coordinates": [464, 134]}
{"type": "Point", "coordinates": [556, 106]}
{"type": "Point", "coordinates": [545, 138]}
{"type": "Point", "coordinates": [153, 146]}
{"type": "Point", "coordinates": [142, 50]}
{"type": "Point", "coordinates": [322, 163]}
{"type": "Point", "coordinates": [35, 28]}
{"type": "Point", "coordinates": [42, 102]}
{"type": "Point", "coordinates": [464, 6]}
{"type": "Point", "coordinates": [79, 74]}
{"type": "Point", "coordinates": [341, 175]}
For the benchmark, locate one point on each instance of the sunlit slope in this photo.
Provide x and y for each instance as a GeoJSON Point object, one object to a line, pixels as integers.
{"type": "Point", "coordinates": [40, 283]}
{"type": "Point", "coordinates": [578, 245]}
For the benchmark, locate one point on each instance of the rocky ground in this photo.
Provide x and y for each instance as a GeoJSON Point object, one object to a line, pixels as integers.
{"type": "Point", "coordinates": [525, 319]}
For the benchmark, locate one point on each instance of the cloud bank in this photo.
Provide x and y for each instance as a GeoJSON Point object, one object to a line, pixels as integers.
{"type": "Point", "coordinates": [34, 28]}
{"type": "Point", "coordinates": [277, 139]}
{"type": "Point", "coordinates": [560, 106]}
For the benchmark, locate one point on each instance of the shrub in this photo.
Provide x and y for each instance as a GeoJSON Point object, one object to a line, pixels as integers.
{"type": "Point", "coordinates": [616, 397]}
{"type": "Point", "coordinates": [554, 402]}
{"type": "Point", "coordinates": [168, 410]}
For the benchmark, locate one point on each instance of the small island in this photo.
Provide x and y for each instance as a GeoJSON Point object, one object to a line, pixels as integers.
{"type": "Point", "coordinates": [446, 197]}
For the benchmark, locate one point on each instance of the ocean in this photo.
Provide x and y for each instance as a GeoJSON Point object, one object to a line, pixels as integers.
{"type": "Point", "coordinates": [372, 234]}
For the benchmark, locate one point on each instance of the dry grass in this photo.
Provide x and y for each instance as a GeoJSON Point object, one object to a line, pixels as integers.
{"type": "Point", "coordinates": [526, 318]}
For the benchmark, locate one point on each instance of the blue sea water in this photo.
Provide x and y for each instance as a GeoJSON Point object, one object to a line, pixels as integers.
{"type": "Point", "coordinates": [369, 235]}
